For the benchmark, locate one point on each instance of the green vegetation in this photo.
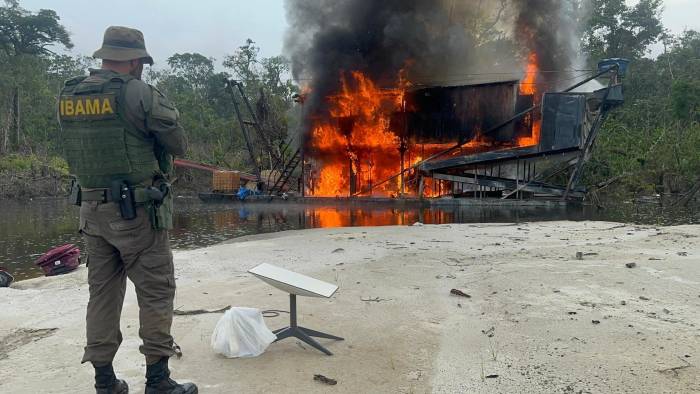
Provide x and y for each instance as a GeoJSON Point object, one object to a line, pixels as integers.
{"type": "Point", "coordinates": [649, 145]}
{"type": "Point", "coordinates": [192, 81]}
{"type": "Point", "coordinates": [15, 162]}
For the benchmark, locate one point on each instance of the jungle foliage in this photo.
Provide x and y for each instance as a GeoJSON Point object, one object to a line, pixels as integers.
{"type": "Point", "coordinates": [651, 144]}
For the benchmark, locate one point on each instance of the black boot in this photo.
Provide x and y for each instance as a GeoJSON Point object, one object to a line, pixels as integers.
{"type": "Point", "coordinates": [158, 380]}
{"type": "Point", "coordinates": [107, 383]}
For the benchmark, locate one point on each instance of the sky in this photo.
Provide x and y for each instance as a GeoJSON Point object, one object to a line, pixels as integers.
{"type": "Point", "coordinates": [213, 28]}
{"type": "Point", "coordinates": [216, 28]}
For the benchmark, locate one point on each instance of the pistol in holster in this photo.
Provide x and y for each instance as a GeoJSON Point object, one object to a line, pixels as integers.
{"type": "Point", "coordinates": [158, 193]}
{"type": "Point", "coordinates": [160, 208]}
{"type": "Point", "coordinates": [123, 194]}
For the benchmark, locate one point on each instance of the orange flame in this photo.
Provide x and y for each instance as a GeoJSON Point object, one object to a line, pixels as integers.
{"type": "Point", "coordinates": [354, 148]}
{"type": "Point", "coordinates": [361, 142]}
{"type": "Point", "coordinates": [529, 87]}
{"type": "Point", "coordinates": [534, 139]}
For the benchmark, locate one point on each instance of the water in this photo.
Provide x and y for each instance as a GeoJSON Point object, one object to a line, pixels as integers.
{"type": "Point", "coordinates": [29, 229]}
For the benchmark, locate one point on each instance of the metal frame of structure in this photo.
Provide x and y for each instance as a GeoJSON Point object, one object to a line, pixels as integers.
{"type": "Point", "coordinates": [482, 172]}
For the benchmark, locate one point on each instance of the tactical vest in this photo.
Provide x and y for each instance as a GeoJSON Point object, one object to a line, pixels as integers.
{"type": "Point", "coordinates": [100, 145]}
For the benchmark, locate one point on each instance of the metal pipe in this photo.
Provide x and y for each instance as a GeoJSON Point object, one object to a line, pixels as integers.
{"type": "Point", "coordinates": [517, 179]}
{"type": "Point", "coordinates": [585, 81]}
{"type": "Point", "coordinates": [597, 124]}
{"type": "Point", "coordinates": [244, 130]}
{"type": "Point", "coordinates": [292, 310]}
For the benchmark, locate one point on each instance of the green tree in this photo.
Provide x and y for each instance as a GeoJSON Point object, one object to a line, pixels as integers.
{"type": "Point", "coordinates": [616, 29]}
{"type": "Point", "coordinates": [25, 39]}
{"type": "Point", "coordinates": [685, 99]}
{"type": "Point", "coordinates": [30, 33]}
{"type": "Point", "coordinates": [192, 69]}
{"type": "Point", "coordinates": [267, 84]}
{"type": "Point", "coordinates": [655, 137]}
{"type": "Point", "coordinates": [192, 82]}
{"type": "Point", "coordinates": [244, 63]}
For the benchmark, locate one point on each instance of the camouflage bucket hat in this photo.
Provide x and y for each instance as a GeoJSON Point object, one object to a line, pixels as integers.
{"type": "Point", "coordinates": [123, 44]}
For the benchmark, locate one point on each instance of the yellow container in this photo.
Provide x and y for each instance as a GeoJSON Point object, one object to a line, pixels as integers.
{"type": "Point", "coordinates": [226, 181]}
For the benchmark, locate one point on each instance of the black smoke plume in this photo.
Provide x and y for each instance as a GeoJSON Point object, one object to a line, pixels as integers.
{"type": "Point", "coordinates": [546, 28]}
{"type": "Point", "coordinates": [433, 40]}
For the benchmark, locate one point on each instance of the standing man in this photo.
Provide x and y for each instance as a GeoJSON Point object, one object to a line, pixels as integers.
{"type": "Point", "coordinates": [120, 135]}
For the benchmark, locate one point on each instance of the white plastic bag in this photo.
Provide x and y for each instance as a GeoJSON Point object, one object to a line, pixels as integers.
{"type": "Point", "coordinates": [241, 332]}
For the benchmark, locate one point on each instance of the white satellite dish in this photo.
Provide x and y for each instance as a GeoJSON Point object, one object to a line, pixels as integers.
{"type": "Point", "coordinates": [292, 282]}
{"type": "Point", "coordinates": [297, 285]}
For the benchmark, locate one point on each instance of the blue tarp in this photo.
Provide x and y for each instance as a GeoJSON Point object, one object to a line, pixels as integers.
{"type": "Point", "coordinates": [244, 193]}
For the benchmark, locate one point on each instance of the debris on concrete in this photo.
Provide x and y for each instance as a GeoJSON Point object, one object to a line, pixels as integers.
{"type": "Point", "coordinates": [195, 312]}
{"type": "Point", "coordinates": [459, 293]}
{"type": "Point", "coordinates": [490, 332]}
{"type": "Point", "coordinates": [674, 370]}
{"type": "Point", "coordinates": [325, 380]}
{"type": "Point", "coordinates": [373, 299]}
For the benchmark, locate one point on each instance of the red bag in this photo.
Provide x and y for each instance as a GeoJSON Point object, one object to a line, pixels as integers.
{"type": "Point", "coordinates": [59, 260]}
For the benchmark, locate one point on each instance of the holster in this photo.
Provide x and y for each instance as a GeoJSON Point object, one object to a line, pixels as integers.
{"type": "Point", "coordinates": [124, 195]}
{"type": "Point", "coordinates": [160, 210]}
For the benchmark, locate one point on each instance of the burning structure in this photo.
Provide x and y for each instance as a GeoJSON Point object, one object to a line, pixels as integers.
{"type": "Point", "coordinates": [395, 107]}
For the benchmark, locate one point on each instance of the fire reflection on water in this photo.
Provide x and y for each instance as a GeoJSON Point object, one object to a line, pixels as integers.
{"type": "Point", "coordinates": [29, 229]}
{"type": "Point", "coordinates": [225, 223]}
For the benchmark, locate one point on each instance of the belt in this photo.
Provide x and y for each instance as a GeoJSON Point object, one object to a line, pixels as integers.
{"type": "Point", "coordinates": [105, 195]}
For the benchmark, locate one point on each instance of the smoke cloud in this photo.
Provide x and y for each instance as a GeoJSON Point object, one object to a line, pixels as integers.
{"type": "Point", "coordinates": [548, 29]}
{"type": "Point", "coordinates": [438, 42]}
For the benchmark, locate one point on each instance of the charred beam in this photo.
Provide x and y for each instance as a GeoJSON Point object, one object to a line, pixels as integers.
{"type": "Point", "coordinates": [510, 184]}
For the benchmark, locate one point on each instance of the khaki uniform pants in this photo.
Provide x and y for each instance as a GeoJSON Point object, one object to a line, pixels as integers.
{"type": "Point", "coordinates": [118, 249]}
